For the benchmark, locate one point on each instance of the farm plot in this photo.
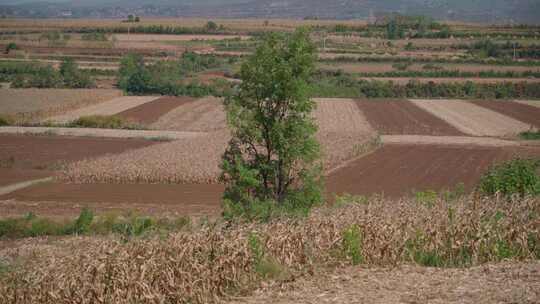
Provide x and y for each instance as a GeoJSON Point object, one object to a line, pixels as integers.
{"type": "Point", "coordinates": [397, 117]}
{"type": "Point", "coordinates": [150, 112]}
{"type": "Point", "coordinates": [472, 119]}
{"type": "Point", "coordinates": [24, 157]}
{"type": "Point", "coordinates": [66, 200]}
{"type": "Point", "coordinates": [202, 115]}
{"type": "Point", "coordinates": [30, 105]}
{"type": "Point", "coordinates": [396, 170]}
{"type": "Point", "coordinates": [343, 133]}
{"type": "Point", "coordinates": [343, 130]}
{"type": "Point", "coordinates": [109, 107]}
{"type": "Point", "coordinates": [522, 112]}
{"type": "Point", "coordinates": [188, 160]}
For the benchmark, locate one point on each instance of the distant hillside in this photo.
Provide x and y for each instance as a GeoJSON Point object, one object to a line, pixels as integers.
{"type": "Point", "coordinates": [489, 11]}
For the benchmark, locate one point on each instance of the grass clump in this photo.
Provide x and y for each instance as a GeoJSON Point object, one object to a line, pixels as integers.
{"type": "Point", "coordinates": [104, 122]}
{"type": "Point", "coordinates": [515, 177]}
{"type": "Point", "coordinates": [530, 135]}
{"type": "Point", "coordinates": [87, 224]}
{"type": "Point", "coordinates": [352, 244]}
{"type": "Point", "coordinates": [5, 120]}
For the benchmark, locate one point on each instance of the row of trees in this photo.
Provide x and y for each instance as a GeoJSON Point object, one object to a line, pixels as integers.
{"type": "Point", "coordinates": [346, 86]}
{"type": "Point", "coordinates": [67, 76]}
{"type": "Point", "coordinates": [166, 77]}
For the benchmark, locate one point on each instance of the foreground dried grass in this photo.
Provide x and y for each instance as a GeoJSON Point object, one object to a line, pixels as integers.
{"type": "Point", "coordinates": [218, 261]}
{"type": "Point", "coordinates": [32, 105]}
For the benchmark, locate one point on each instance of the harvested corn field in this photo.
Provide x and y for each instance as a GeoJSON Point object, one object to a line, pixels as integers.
{"type": "Point", "coordinates": [522, 112]}
{"type": "Point", "coordinates": [472, 119]}
{"type": "Point", "coordinates": [343, 130]}
{"type": "Point", "coordinates": [397, 170]}
{"type": "Point", "coordinates": [189, 160]}
{"type": "Point", "coordinates": [396, 117]}
{"type": "Point", "coordinates": [31, 105]}
{"type": "Point", "coordinates": [202, 115]}
{"type": "Point", "coordinates": [150, 112]}
{"type": "Point", "coordinates": [109, 107]}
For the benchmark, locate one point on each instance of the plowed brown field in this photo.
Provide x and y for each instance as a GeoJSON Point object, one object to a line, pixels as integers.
{"type": "Point", "coordinates": [397, 117]}
{"type": "Point", "coordinates": [150, 112]}
{"type": "Point", "coordinates": [62, 200]}
{"type": "Point", "coordinates": [397, 170]}
{"type": "Point", "coordinates": [522, 112]}
{"type": "Point", "coordinates": [25, 157]}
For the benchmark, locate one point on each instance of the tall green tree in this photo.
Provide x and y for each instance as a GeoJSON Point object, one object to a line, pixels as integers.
{"type": "Point", "coordinates": [130, 66]}
{"type": "Point", "coordinates": [272, 161]}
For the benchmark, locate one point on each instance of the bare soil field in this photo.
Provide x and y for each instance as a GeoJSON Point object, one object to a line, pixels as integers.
{"type": "Point", "coordinates": [110, 107]}
{"type": "Point", "coordinates": [202, 115]}
{"type": "Point", "coordinates": [508, 282]}
{"type": "Point", "coordinates": [66, 200]}
{"type": "Point", "coordinates": [472, 119]}
{"type": "Point", "coordinates": [150, 112]}
{"type": "Point", "coordinates": [403, 117]}
{"type": "Point", "coordinates": [405, 80]}
{"type": "Point", "coordinates": [10, 176]}
{"type": "Point", "coordinates": [397, 170]}
{"type": "Point", "coordinates": [525, 113]}
{"type": "Point", "coordinates": [26, 157]}
{"type": "Point", "coordinates": [343, 131]}
{"type": "Point", "coordinates": [30, 105]}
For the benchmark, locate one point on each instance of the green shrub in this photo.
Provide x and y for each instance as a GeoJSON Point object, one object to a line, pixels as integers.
{"type": "Point", "coordinates": [5, 120]}
{"type": "Point", "coordinates": [530, 135]}
{"type": "Point", "coordinates": [352, 244]}
{"type": "Point", "coordinates": [516, 177]}
{"type": "Point", "coordinates": [103, 122]}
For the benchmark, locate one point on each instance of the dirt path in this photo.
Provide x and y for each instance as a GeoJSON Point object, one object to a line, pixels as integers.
{"type": "Point", "coordinates": [66, 200]}
{"type": "Point", "coordinates": [472, 119]}
{"type": "Point", "coordinates": [150, 112]}
{"type": "Point", "coordinates": [447, 140]}
{"type": "Point", "coordinates": [92, 132]}
{"type": "Point", "coordinates": [396, 117]}
{"type": "Point", "coordinates": [522, 112]}
{"type": "Point", "coordinates": [110, 107]}
{"type": "Point", "coordinates": [493, 283]}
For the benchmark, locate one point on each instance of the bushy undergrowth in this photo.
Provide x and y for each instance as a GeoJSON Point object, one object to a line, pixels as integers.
{"type": "Point", "coordinates": [104, 122]}
{"type": "Point", "coordinates": [530, 135]}
{"type": "Point", "coordinates": [87, 224]}
{"type": "Point", "coordinates": [516, 177]}
{"type": "Point", "coordinates": [346, 86]}
{"type": "Point", "coordinates": [217, 260]}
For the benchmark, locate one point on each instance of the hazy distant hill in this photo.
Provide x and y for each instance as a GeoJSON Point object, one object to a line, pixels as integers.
{"type": "Point", "coordinates": [492, 11]}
